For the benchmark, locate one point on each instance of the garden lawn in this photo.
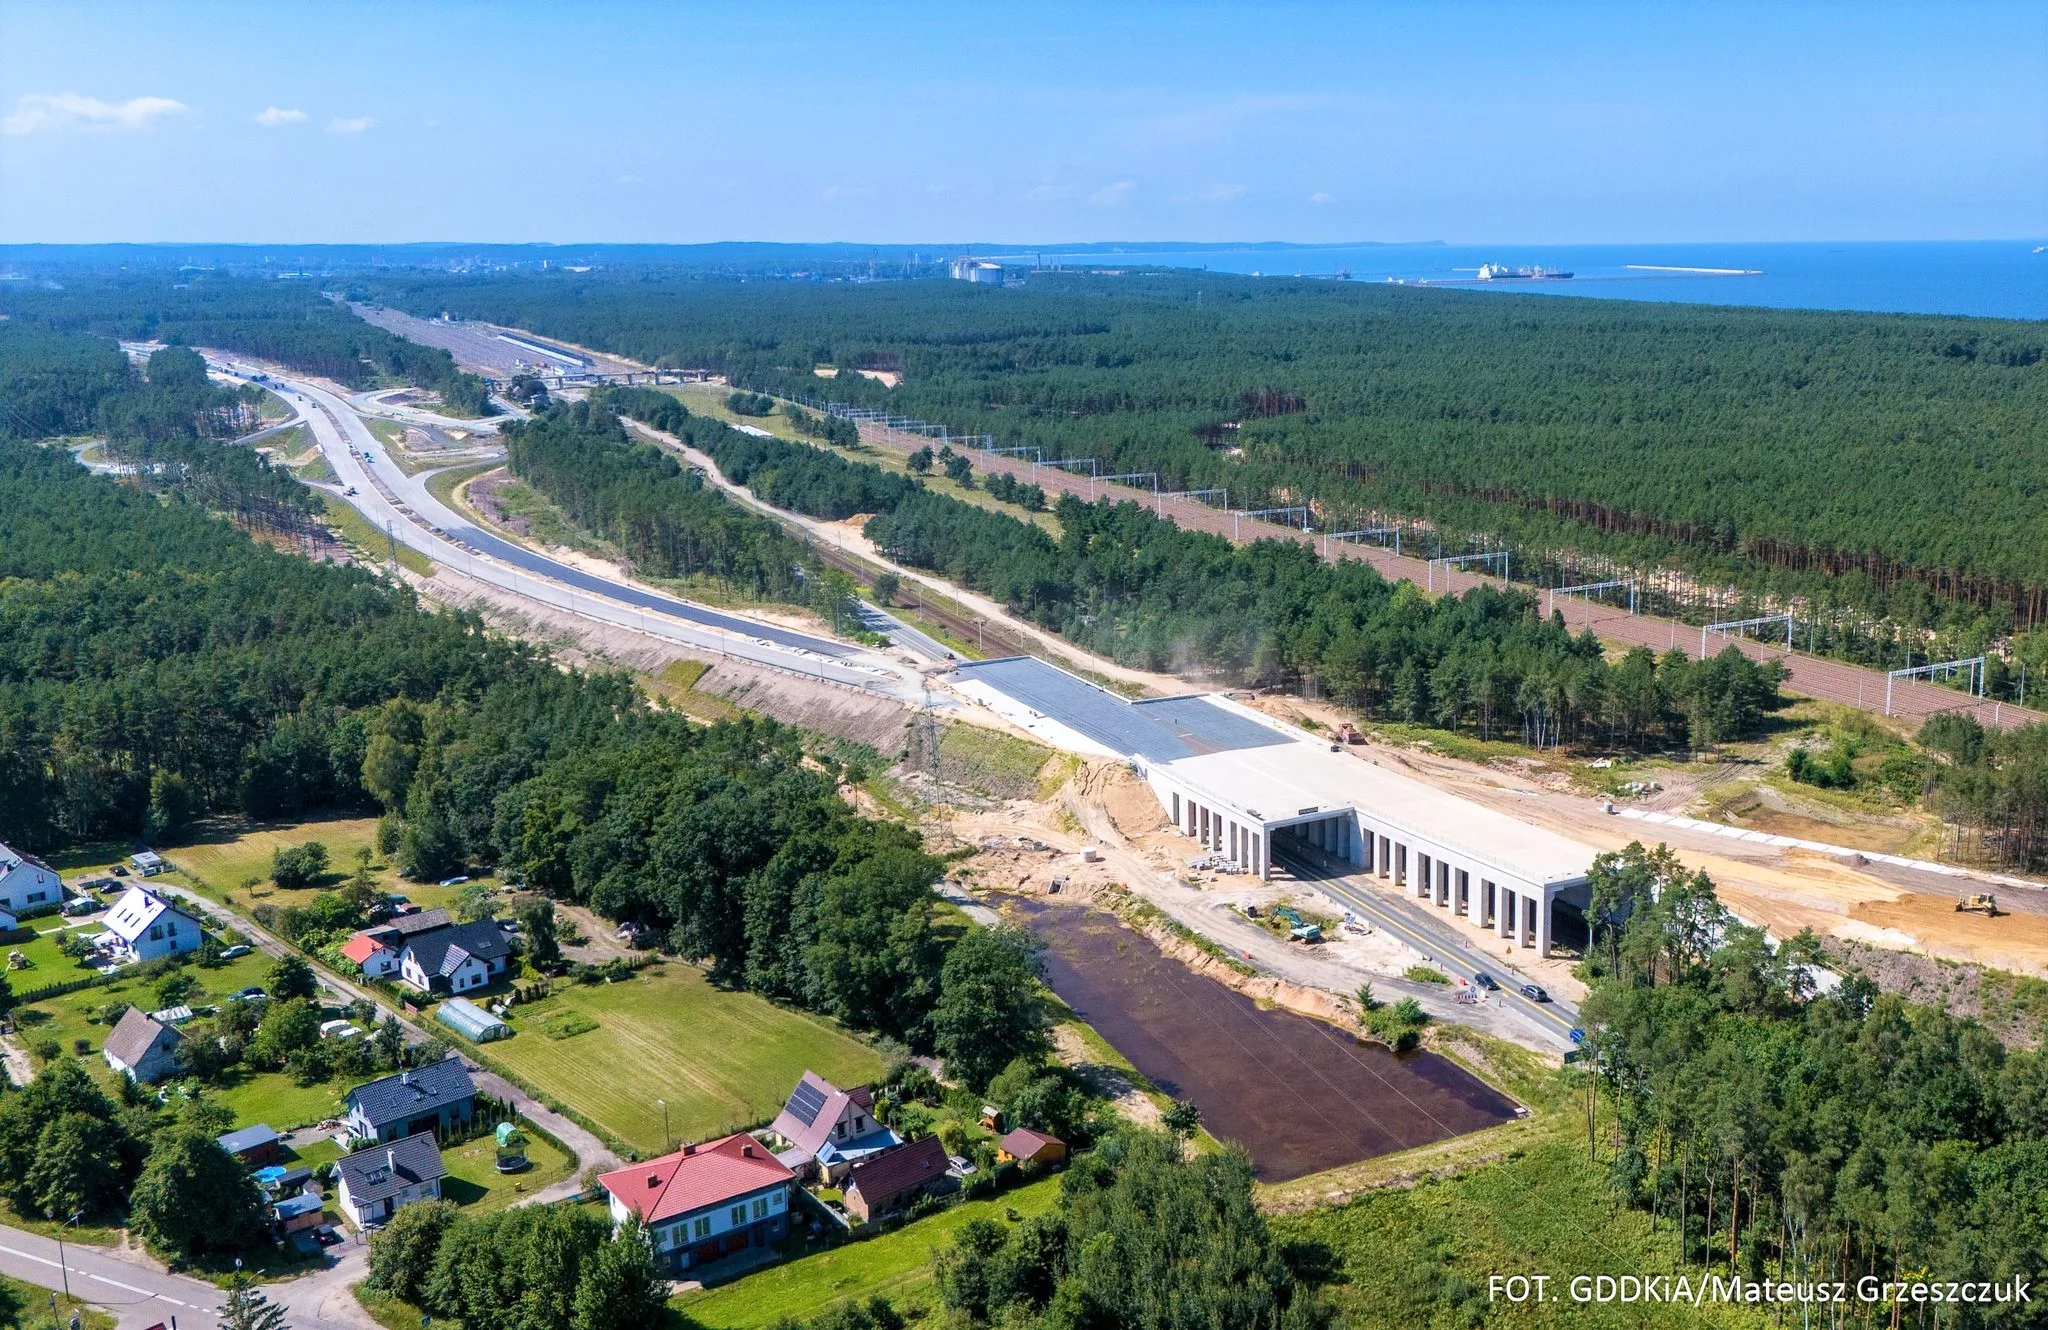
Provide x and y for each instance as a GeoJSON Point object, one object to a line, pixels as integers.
{"type": "Point", "coordinates": [277, 1100]}
{"type": "Point", "coordinates": [475, 1184]}
{"type": "Point", "coordinates": [896, 1265]}
{"type": "Point", "coordinates": [722, 1060]}
{"type": "Point", "coordinates": [73, 1015]}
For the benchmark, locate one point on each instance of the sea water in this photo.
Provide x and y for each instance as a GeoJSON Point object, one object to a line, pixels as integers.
{"type": "Point", "coordinates": [2005, 279]}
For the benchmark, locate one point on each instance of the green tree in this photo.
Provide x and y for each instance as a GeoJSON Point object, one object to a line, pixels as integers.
{"type": "Point", "coordinates": [291, 978]}
{"type": "Point", "coordinates": [520, 1268]}
{"type": "Point", "coordinates": [78, 1167]}
{"type": "Point", "coordinates": [299, 866]}
{"type": "Point", "coordinates": [537, 927]}
{"type": "Point", "coordinates": [989, 1011]}
{"type": "Point", "coordinates": [287, 1028]}
{"type": "Point", "coordinates": [620, 1288]}
{"type": "Point", "coordinates": [194, 1198]}
{"type": "Point", "coordinates": [920, 461]}
{"type": "Point", "coordinates": [1183, 1117]}
{"type": "Point", "coordinates": [247, 1308]}
{"type": "Point", "coordinates": [172, 805]}
{"type": "Point", "coordinates": [886, 586]}
{"type": "Point", "coordinates": [402, 1253]}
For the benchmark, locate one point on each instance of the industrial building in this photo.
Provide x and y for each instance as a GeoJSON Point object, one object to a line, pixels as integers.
{"type": "Point", "coordinates": [1253, 790]}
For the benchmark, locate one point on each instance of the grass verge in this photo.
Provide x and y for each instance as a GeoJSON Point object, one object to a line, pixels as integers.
{"type": "Point", "coordinates": [372, 545]}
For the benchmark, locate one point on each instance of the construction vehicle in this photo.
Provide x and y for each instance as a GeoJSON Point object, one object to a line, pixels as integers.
{"type": "Point", "coordinates": [1298, 928]}
{"type": "Point", "coordinates": [1348, 733]}
{"type": "Point", "coordinates": [1983, 903]}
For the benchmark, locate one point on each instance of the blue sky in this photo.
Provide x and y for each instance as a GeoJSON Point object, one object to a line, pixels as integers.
{"type": "Point", "coordinates": [593, 121]}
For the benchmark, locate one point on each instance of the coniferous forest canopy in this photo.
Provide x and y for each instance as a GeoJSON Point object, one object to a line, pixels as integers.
{"type": "Point", "coordinates": [1149, 593]}
{"type": "Point", "coordinates": [1829, 455]}
{"type": "Point", "coordinates": [288, 321]}
{"type": "Point", "coordinates": [158, 666]}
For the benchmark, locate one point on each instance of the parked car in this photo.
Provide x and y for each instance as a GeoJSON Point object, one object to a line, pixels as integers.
{"type": "Point", "coordinates": [1534, 993]}
{"type": "Point", "coordinates": [1486, 981]}
{"type": "Point", "coordinates": [236, 953]}
{"type": "Point", "coordinates": [250, 994]}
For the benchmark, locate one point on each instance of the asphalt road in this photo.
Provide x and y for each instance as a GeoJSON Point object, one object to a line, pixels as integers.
{"type": "Point", "coordinates": [1440, 940]}
{"type": "Point", "coordinates": [401, 504]}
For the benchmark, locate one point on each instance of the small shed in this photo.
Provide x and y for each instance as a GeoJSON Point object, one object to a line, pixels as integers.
{"type": "Point", "coordinates": [256, 1146]}
{"type": "Point", "coordinates": [470, 1021]}
{"type": "Point", "coordinates": [296, 1213]}
{"type": "Point", "coordinates": [148, 863]}
{"type": "Point", "coordinates": [1025, 1146]}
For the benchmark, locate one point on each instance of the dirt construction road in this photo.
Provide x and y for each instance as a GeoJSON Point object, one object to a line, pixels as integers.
{"type": "Point", "coordinates": [1828, 680]}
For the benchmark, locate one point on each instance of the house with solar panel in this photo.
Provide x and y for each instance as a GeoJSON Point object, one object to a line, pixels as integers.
{"type": "Point", "coordinates": [825, 1130]}
{"type": "Point", "coordinates": [704, 1202]}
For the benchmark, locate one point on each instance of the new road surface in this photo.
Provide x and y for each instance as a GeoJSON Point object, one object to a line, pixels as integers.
{"type": "Point", "coordinates": [402, 506]}
{"type": "Point", "coordinates": [1436, 939]}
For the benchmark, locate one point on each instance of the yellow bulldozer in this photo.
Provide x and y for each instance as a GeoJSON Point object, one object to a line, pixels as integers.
{"type": "Point", "coordinates": [1984, 904]}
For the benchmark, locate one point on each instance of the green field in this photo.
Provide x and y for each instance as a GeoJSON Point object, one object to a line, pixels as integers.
{"type": "Point", "coordinates": [722, 1060]}
{"type": "Point", "coordinates": [225, 865]}
{"type": "Point", "coordinates": [896, 1265]}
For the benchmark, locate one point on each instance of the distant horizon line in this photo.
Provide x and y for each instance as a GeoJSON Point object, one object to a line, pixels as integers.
{"type": "Point", "coordinates": [988, 248]}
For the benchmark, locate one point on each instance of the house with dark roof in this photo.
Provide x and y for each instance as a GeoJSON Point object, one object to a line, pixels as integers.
{"type": "Point", "coordinates": [456, 959]}
{"type": "Point", "coordinates": [704, 1202]}
{"type": "Point", "coordinates": [828, 1129]}
{"type": "Point", "coordinates": [891, 1182]}
{"type": "Point", "coordinates": [26, 883]}
{"type": "Point", "coordinates": [377, 1183]}
{"type": "Point", "coordinates": [141, 1048]}
{"type": "Point", "coordinates": [434, 1099]}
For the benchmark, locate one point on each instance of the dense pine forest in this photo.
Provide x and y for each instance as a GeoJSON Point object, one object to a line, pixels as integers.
{"type": "Point", "coordinates": [664, 518]}
{"type": "Point", "coordinates": [1145, 592]}
{"type": "Point", "coordinates": [290, 322]}
{"type": "Point", "coordinates": [1822, 455]}
{"type": "Point", "coordinates": [1802, 1137]}
{"type": "Point", "coordinates": [159, 667]}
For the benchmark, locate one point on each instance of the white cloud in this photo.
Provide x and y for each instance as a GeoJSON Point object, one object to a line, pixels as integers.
{"type": "Point", "coordinates": [278, 115]}
{"type": "Point", "coordinates": [349, 124]}
{"type": "Point", "coordinates": [1223, 193]}
{"type": "Point", "coordinates": [42, 110]}
{"type": "Point", "coordinates": [1320, 197]}
{"type": "Point", "coordinates": [631, 179]}
{"type": "Point", "coordinates": [1110, 196]}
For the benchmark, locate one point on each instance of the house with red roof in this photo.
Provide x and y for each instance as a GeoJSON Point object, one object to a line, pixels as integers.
{"type": "Point", "coordinates": [704, 1202]}
{"type": "Point", "coordinates": [370, 955]}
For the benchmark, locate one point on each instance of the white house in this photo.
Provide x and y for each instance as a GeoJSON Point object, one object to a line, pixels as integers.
{"type": "Point", "coordinates": [145, 926]}
{"type": "Point", "coordinates": [704, 1202]}
{"type": "Point", "coordinates": [141, 1048]}
{"type": "Point", "coordinates": [26, 882]}
{"type": "Point", "coordinates": [378, 1182]}
{"type": "Point", "coordinates": [457, 959]}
